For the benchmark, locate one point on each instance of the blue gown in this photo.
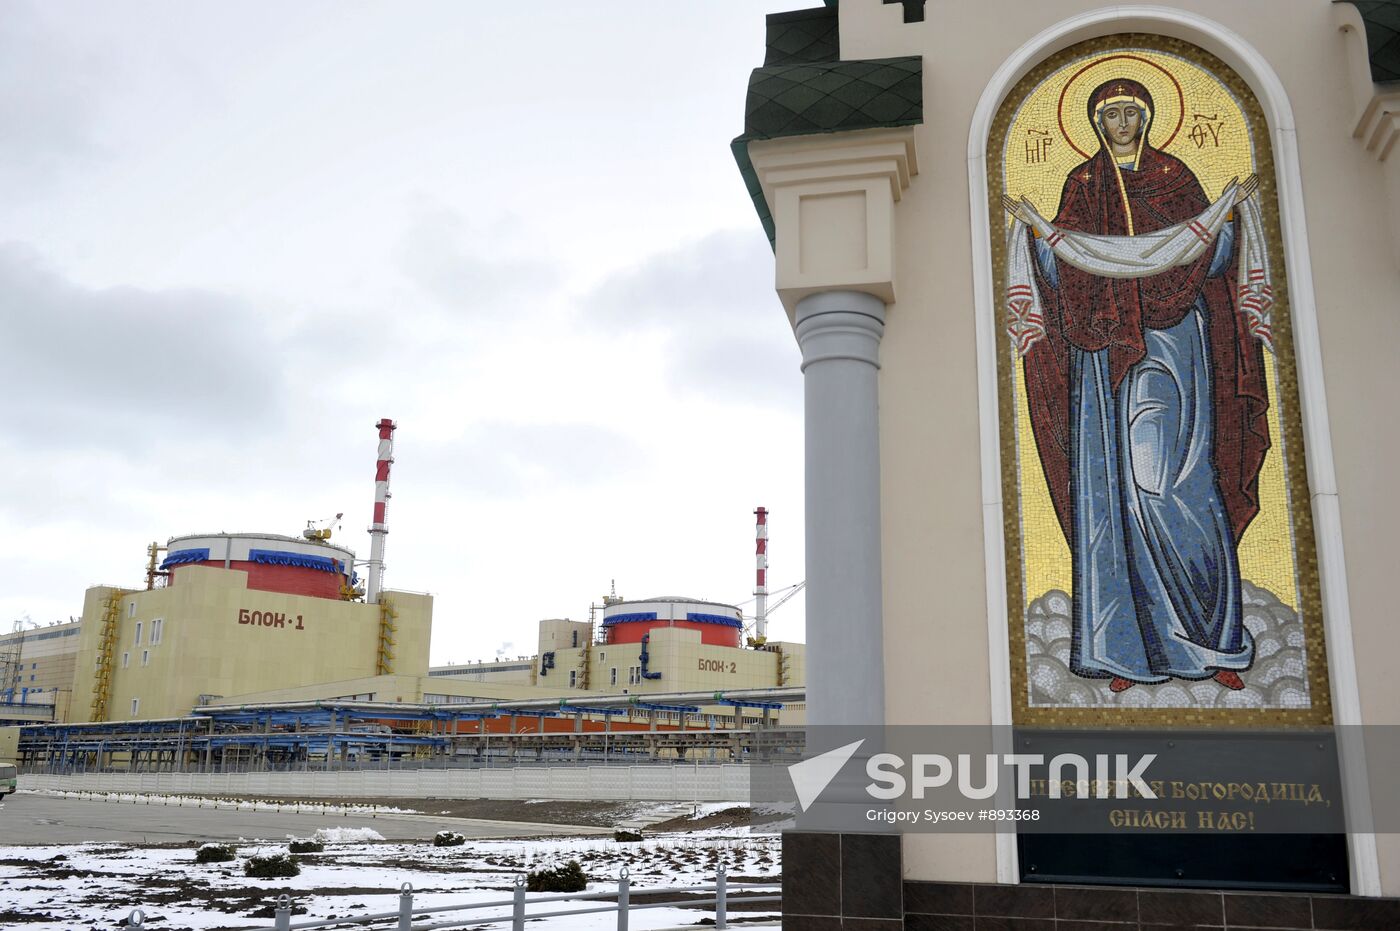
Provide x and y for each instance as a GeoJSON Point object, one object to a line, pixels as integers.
{"type": "Point", "coordinates": [1155, 574]}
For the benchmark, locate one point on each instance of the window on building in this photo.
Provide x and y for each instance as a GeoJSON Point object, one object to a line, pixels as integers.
{"type": "Point", "coordinates": [126, 660]}
{"type": "Point", "coordinates": [145, 657]}
{"type": "Point", "coordinates": [614, 675]}
{"type": "Point", "coordinates": [573, 678]}
{"type": "Point", "coordinates": [138, 633]}
{"type": "Point", "coordinates": [131, 609]}
{"type": "Point", "coordinates": [157, 629]}
{"type": "Point", "coordinates": [135, 706]}
{"type": "Point", "coordinates": [576, 639]}
{"type": "Point", "coordinates": [33, 665]}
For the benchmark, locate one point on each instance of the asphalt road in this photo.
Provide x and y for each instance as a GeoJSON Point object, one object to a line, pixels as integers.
{"type": "Point", "coordinates": [27, 819]}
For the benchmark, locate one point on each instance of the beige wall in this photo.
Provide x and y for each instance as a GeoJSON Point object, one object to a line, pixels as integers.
{"type": "Point", "coordinates": [936, 638]}
{"type": "Point", "coordinates": [564, 634]}
{"type": "Point", "coordinates": [204, 650]}
{"type": "Point", "coordinates": [47, 657]}
{"type": "Point", "coordinates": [685, 664]}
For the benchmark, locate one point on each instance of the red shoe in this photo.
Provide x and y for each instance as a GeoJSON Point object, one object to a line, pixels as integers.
{"type": "Point", "coordinates": [1230, 679]}
{"type": "Point", "coordinates": [1119, 684]}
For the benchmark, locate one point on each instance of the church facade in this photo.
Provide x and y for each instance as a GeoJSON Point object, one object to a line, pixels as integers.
{"type": "Point", "coordinates": [1098, 309]}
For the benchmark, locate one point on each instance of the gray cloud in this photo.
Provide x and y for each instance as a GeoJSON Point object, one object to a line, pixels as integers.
{"type": "Point", "coordinates": [49, 91]}
{"type": "Point", "coordinates": [714, 299]}
{"type": "Point", "coordinates": [502, 459]}
{"type": "Point", "coordinates": [448, 258]}
{"type": "Point", "coordinates": [116, 368]}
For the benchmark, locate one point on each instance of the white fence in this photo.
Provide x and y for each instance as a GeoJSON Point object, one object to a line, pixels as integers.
{"type": "Point", "coordinates": [622, 907]}
{"type": "Point", "coordinates": [699, 783]}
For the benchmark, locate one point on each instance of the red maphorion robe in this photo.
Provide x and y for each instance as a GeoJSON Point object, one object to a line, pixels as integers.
{"type": "Point", "coordinates": [1092, 313]}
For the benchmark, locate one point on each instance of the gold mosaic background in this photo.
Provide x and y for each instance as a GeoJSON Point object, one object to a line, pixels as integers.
{"type": "Point", "coordinates": [1207, 117]}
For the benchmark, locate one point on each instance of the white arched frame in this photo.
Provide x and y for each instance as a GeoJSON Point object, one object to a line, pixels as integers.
{"type": "Point", "coordinates": [1232, 49]}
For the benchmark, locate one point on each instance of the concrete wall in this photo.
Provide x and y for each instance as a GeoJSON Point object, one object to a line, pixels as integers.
{"type": "Point", "coordinates": [204, 649]}
{"type": "Point", "coordinates": [666, 783]}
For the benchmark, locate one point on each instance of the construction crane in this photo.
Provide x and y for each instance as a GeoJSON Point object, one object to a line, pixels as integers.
{"type": "Point", "coordinates": [319, 531]}
{"type": "Point", "coordinates": [783, 599]}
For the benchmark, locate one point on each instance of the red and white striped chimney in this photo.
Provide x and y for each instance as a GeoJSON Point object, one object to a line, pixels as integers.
{"type": "Point", "coordinates": [379, 529]}
{"type": "Point", "coordinates": [760, 592]}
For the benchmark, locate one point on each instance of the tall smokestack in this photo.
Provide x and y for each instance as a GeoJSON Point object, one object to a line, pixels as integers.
{"type": "Point", "coordinates": [760, 591]}
{"type": "Point", "coordinates": [379, 529]}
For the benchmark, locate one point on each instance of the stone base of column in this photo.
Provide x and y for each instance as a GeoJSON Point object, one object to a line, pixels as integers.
{"type": "Point", "coordinates": [842, 882]}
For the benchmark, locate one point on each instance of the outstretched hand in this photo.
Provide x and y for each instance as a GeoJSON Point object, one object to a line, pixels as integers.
{"type": "Point", "coordinates": [1020, 209]}
{"type": "Point", "coordinates": [1248, 189]}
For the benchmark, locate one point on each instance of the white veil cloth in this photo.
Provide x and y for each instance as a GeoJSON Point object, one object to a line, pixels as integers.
{"type": "Point", "coordinates": [1141, 256]}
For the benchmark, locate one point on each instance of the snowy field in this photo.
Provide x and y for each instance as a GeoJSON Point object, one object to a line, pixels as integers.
{"type": "Point", "coordinates": [95, 886]}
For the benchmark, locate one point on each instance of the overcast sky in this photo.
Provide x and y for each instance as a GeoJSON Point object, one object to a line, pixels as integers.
{"type": "Point", "coordinates": [235, 235]}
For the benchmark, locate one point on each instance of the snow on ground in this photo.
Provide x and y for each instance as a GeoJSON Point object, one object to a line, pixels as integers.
{"type": "Point", "coordinates": [705, 809]}
{"type": "Point", "coordinates": [346, 835]}
{"type": "Point", "coordinates": [95, 886]}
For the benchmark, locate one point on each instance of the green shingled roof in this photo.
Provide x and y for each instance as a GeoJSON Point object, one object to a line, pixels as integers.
{"type": "Point", "coordinates": [794, 100]}
{"type": "Point", "coordinates": [1382, 18]}
{"type": "Point", "coordinates": [802, 35]}
{"type": "Point", "coordinates": [825, 97]}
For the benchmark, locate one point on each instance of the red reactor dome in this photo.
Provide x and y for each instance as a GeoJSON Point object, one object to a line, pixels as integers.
{"type": "Point", "coordinates": [719, 625]}
{"type": "Point", "coordinates": [274, 563]}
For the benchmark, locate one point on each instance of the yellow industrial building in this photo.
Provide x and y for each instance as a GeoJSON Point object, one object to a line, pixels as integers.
{"type": "Point", "coordinates": [256, 618]}
{"type": "Point", "coordinates": [36, 671]}
{"type": "Point", "coordinates": [160, 653]}
{"type": "Point", "coordinates": [246, 618]}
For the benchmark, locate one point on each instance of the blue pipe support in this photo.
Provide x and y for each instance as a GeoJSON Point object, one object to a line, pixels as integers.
{"type": "Point", "coordinates": [646, 638]}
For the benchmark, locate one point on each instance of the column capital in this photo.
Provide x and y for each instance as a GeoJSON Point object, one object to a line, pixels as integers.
{"type": "Point", "coordinates": [833, 199]}
{"type": "Point", "coordinates": [840, 325]}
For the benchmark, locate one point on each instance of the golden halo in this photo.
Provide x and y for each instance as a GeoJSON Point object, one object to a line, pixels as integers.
{"type": "Point", "coordinates": [1167, 99]}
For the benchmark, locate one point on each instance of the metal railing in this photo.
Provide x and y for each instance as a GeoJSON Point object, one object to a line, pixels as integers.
{"type": "Point", "coordinates": [519, 904]}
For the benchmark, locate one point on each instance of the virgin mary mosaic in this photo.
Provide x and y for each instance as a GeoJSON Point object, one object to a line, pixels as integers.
{"type": "Point", "coordinates": [1157, 509]}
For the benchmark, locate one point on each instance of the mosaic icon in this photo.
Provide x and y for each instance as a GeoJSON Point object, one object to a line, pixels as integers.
{"type": "Point", "coordinates": [1153, 523]}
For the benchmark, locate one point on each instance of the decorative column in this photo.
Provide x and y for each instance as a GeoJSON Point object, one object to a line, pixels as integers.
{"type": "Point", "coordinates": [839, 332]}
{"type": "Point", "coordinates": [833, 200]}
